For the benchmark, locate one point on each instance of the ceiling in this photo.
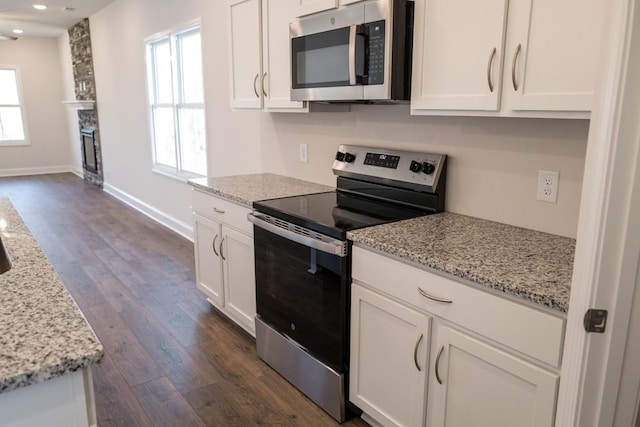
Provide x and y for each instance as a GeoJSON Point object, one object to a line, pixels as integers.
{"type": "Point", "coordinates": [52, 22]}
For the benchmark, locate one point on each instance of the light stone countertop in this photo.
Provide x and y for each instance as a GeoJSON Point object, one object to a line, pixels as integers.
{"type": "Point", "coordinates": [43, 334]}
{"type": "Point", "coordinates": [525, 263]}
{"type": "Point", "coordinates": [246, 189]}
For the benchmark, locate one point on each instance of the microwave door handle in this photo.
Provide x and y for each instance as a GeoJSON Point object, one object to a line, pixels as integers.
{"type": "Point", "coordinates": [353, 33]}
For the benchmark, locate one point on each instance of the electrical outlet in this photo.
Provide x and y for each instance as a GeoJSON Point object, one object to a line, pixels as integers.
{"type": "Point", "coordinates": [303, 152]}
{"type": "Point", "coordinates": [548, 186]}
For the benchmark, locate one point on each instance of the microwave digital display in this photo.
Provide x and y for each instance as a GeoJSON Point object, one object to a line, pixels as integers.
{"type": "Point", "coordinates": [382, 160]}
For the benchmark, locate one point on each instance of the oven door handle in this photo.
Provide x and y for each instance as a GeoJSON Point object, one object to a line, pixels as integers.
{"type": "Point", "coordinates": [329, 245]}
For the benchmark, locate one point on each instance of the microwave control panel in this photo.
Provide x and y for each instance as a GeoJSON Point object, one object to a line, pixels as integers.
{"type": "Point", "coordinates": [376, 33]}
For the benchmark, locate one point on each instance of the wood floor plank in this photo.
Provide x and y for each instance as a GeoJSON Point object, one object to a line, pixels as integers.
{"type": "Point", "coordinates": [165, 404]}
{"type": "Point", "coordinates": [185, 373]}
{"type": "Point", "coordinates": [116, 405]}
{"type": "Point", "coordinates": [136, 365]}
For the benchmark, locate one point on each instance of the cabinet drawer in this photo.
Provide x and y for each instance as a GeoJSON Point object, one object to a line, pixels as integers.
{"type": "Point", "coordinates": [222, 211]}
{"type": "Point", "coordinates": [533, 332]}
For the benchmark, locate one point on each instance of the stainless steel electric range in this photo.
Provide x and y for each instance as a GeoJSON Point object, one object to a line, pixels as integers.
{"type": "Point", "coordinates": [303, 262]}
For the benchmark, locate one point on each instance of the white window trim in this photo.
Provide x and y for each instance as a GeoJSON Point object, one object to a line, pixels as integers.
{"type": "Point", "coordinates": [161, 169]}
{"type": "Point", "coordinates": [26, 141]}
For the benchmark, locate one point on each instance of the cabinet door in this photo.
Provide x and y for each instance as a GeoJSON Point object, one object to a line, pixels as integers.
{"type": "Point", "coordinates": [475, 384]}
{"type": "Point", "coordinates": [207, 240]}
{"type": "Point", "coordinates": [276, 73]}
{"type": "Point", "coordinates": [553, 53]}
{"type": "Point", "coordinates": [458, 54]}
{"type": "Point", "coordinates": [239, 274]}
{"type": "Point", "coordinates": [389, 358]}
{"type": "Point", "coordinates": [245, 44]}
{"type": "Point", "coordinates": [307, 7]}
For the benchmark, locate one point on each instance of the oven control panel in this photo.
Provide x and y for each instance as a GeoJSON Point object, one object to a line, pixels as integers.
{"type": "Point", "coordinates": [408, 169]}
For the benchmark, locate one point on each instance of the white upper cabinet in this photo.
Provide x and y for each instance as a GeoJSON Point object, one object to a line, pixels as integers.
{"type": "Point", "coordinates": [545, 62]}
{"type": "Point", "coordinates": [552, 54]}
{"type": "Point", "coordinates": [260, 73]}
{"type": "Point", "coordinates": [276, 76]}
{"type": "Point", "coordinates": [245, 47]}
{"type": "Point", "coordinates": [307, 7]}
{"type": "Point", "coordinates": [458, 53]}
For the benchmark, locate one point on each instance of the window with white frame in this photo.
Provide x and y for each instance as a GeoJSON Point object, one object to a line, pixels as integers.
{"type": "Point", "coordinates": [176, 100]}
{"type": "Point", "coordinates": [12, 117]}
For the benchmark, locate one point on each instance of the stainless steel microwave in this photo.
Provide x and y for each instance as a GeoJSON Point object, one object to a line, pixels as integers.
{"type": "Point", "coordinates": [356, 53]}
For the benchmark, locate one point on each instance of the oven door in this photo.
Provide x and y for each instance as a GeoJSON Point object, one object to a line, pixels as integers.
{"type": "Point", "coordinates": [328, 56]}
{"type": "Point", "coordinates": [302, 289]}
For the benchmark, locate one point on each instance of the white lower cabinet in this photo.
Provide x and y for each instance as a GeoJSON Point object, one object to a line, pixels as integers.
{"type": "Point", "coordinates": [476, 384]}
{"type": "Point", "coordinates": [389, 358]}
{"type": "Point", "coordinates": [428, 350]}
{"type": "Point", "coordinates": [224, 257]}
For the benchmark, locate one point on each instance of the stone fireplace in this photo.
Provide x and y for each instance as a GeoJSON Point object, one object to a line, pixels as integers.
{"type": "Point", "coordinates": [85, 90]}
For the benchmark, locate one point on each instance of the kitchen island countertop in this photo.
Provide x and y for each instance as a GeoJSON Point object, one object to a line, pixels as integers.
{"type": "Point", "coordinates": [43, 334]}
{"type": "Point", "coordinates": [527, 264]}
{"type": "Point", "coordinates": [246, 189]}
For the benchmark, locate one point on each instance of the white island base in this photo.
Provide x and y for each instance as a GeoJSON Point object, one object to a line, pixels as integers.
{"type": "Point", "coordinates": [65, 401]}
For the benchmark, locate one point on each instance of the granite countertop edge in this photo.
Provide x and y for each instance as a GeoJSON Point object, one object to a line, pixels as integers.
{"type": "Point", "coordinates": [554, 296]}
{"type": "Point", "coordinates": [44, 334]}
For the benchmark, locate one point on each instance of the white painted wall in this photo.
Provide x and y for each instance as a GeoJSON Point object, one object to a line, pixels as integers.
{"type": "Point", "coordinates": [493, 162]}
{"type": "Point", "coordinates": [39, 64]}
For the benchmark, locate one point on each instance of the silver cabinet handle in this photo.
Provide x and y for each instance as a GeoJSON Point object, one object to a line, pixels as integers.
{"type": "Point", "coordinates": [415, 353]}
{"type": "Point", "coordinates": [434, 298]}
{"type": "Point", "coordinates": [255, 90]}
{"type": "Point", "coordinates": [216, 210]}
{"type": "Point", "coordinates": [264, 90]}
{"type": "Point", "coordinates": [213, 245]}
{"type": "Point", "coordinates": [437, 366]}
{"type": "Point", "coordinates": [221, 246]}
{"type": "Point", "coordinates": [513, 67]}
{"type": "Point", "coordinates": [491, 57]}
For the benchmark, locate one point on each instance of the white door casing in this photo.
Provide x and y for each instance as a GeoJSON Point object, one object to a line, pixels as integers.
{"type": "Point", "coordinates": [608, 240]}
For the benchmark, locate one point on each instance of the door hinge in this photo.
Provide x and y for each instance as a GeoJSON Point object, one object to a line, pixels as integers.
{"type": "Point", "coordinates": [595, 320]}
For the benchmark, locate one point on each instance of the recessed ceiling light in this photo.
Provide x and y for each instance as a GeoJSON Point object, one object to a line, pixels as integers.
{"type": "Point", "coordinates": [18, 31]}
{"type": "Point", "coordinates": [40, 6]}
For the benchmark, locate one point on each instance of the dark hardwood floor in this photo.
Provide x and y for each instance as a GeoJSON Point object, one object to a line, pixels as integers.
{"type": "Point", "coordinates": [170, 358]}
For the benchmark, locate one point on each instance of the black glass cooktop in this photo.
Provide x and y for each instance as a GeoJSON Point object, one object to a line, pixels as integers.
{"type": "Point", "coordinates": [334, 213]}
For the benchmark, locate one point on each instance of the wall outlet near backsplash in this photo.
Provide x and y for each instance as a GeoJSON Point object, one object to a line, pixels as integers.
{"type": "Point", "coordinates": [548, 186]}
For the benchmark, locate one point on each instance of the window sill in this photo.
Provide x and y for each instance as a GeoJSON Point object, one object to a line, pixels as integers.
{"type": "Point", "coordinates": [23, 143]}
{"type": "Point", "coordinates": [171, 173]}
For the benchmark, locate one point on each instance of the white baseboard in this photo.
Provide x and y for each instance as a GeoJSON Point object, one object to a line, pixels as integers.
{"type": "Point", "coordinates": [185, 230]}
{"type": "Point", "coordinates": [36, 171]}
{"type": "Point", "coordinates": [77, 171]}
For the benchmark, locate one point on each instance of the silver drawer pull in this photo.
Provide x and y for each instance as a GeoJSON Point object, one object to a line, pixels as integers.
{"type": "Point", "coordinates": [221, 246]}
{"type": "Point", "coordinates": [216, 210]}
{"type": "Point", "coordinates": [437, 366]}
{"type": "Point", "coordinates": [513, 67]}
{"type": "Point", "coordinates": [434, 298]}
{"type": "Point", "coordinates": [415, 353]}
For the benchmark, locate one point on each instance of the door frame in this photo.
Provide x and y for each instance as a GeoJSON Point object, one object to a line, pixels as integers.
{"type": "Point", "coordinates": [597, 387]}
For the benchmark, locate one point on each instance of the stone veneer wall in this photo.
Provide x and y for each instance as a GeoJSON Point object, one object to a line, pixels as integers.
{"type": "Point", "coordinates": [85, 88]}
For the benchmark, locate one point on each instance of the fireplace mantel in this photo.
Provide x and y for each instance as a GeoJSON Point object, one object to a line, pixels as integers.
{"type": "Point", "coordinates": [80, 104]}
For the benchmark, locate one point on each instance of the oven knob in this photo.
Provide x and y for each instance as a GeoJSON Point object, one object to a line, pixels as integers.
{"type": "Point", "coordinates": [428, 168]}
{"type": "Point", "coordinates": [340, 156]}
{"type": "Point", "coordinates": [415, 166]}
{"type": "Point", "coordinates": [349, 158]}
